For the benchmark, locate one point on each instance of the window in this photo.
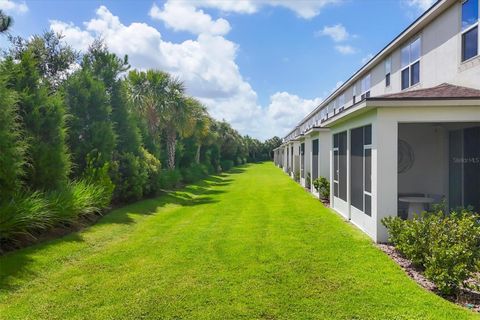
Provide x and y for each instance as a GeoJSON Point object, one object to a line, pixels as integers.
{"type": "Point", "coordinates": [361, 169]}
{"type": "Point", "coordinates": [410, 56]}
{"type": "Point", "coordinates": [340, 165]}
{"type": "Point", "coordinates": [388, 71]}
{"type": "Point", "coordinates": [470, 25]}
{"type": "Point", "coordinates": [354, 93]}
{"type": "Point", "coordinates": [366, 82]}
{"type": "Point", "coordinates": [341, 102]}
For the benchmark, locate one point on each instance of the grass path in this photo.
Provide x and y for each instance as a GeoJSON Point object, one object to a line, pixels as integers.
{"type": "Point", "coordinates": [250, 244]}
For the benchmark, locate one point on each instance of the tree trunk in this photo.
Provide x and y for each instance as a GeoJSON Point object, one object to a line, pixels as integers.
{"type": "Point", "coordinates": [171, 144]}
{"type": "Point", "coordinates": [197, 155]}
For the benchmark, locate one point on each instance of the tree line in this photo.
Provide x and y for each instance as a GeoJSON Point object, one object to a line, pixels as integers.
{"type": "Point", "coordinates": [82, 130]}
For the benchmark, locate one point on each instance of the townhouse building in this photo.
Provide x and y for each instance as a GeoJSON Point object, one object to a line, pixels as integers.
{"type": "Point", "coordinates": [403, 132]}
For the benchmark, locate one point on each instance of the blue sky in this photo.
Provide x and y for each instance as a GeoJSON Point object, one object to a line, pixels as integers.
{"type": "Point", "coordinates": [259, 64]}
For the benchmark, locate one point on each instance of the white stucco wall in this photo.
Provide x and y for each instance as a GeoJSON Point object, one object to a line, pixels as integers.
{"type": "Point", "coordinates": [387, 150]}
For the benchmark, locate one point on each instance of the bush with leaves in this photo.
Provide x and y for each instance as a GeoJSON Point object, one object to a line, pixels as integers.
{"type": "Point", "coordinates": [226, 164]}
{"type": "Point", "coordinates": [12, 144]}
{"type": "Point", "coordinates": [446, 246]}
{"type": "Point", "coordinates": [322, 185]}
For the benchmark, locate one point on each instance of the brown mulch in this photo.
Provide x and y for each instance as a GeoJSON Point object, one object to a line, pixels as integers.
{"type": "Point", "coordinates": [467, 298]}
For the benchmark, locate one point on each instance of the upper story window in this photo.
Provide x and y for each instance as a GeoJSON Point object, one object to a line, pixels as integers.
{"type": "Point", "coordinates": [388, 71]}
{"type": "Point", "coordinates": [410, 56]}
{"type": "Point", "coordinates": [354, 89]}
{"type": "Point", "coordinates": [366, 82]}
{"type": "Point", "coordinates": [470, 24]}
{"type": "Point", "coordinates": [341, 101]}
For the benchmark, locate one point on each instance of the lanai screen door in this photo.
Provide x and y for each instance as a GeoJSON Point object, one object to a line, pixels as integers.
{"type": "Point", "coordinates": [314, 159]}
{"type": "Point", "coordinates": [302, 160]}
{"type": "Point", "coordinates": [464, 168]}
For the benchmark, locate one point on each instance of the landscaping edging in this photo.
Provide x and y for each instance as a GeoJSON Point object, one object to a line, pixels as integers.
{"type": "Point", "coordinates": [467, 298]}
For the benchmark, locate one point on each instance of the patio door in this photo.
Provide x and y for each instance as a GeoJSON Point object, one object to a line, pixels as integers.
{"type": "Point", "coordinates": [464, 168]}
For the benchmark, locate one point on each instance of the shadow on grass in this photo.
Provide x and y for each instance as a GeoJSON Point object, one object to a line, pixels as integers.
{"type": "Point", "coordinates": [15, 266]}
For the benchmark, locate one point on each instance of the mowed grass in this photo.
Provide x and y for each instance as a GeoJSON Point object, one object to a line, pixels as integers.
{"type": "Point", "coordinates": [250, 244]}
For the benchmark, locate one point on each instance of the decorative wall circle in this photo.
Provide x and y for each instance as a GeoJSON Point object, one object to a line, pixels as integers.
{"type": "Point", "coordinates": [406, 157]}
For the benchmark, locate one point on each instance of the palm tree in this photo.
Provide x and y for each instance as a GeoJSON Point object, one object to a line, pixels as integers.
{"type": "Point", "coordinates": [176, 117]}
{"type": "Point", "coordinates": [201, 128]}
{"type": "Point", "coordinates": [147, 91]}
{"type": "Point", "coordinates": [5, 22]}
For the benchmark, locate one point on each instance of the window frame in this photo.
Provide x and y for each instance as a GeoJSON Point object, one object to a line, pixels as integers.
{"type": "Point", "coordinates": [467, 30]}
{"type": "Point", "coordinates": [365, 93]}
{"type": "Point", "coordinates": [411, 63]}
{"type": "Point", "coordinates": [388, 71]}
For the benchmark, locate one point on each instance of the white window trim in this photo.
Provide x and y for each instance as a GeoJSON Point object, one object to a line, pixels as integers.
{"type": "Point", "coordinates": [476, 24]}
{"type": "Point", "coordinates": [410, 64]}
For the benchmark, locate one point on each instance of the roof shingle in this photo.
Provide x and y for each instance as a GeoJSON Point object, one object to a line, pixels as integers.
{"type": "Point", "coordinates": [443, 91]}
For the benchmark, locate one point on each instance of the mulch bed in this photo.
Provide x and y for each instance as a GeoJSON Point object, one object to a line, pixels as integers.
{"type": "Point", "coordinates": [467, 298]}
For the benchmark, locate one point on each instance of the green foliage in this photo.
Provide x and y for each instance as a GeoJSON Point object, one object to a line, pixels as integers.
{"type": "Point", "coordinates": [170, 179]}
{"type": "Point", "coordinates": [26, 214]}
{"type": "Point", "coordinates": [226, 164]}
{"type": "Point", "coordinates": [194, 173]}
{"type": "Point", "coordinates": [446, 246]}
{"type": "Point", "coordinates": [12, 145]}
{"type": "Point", "coordinates": [53, 55]}
{"type": "Point", "coordinates": [91, 130]}
{"type": "Point", "coordinates": [130, 177]}
{"type": "Point", "coordinates": [43, 122]}
{"type": "Point", "coordinates": [322, 185]}
{"type": "Point", "coordinates": [77, 141]}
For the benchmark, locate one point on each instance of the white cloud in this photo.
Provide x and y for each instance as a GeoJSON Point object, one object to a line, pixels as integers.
{"type": "Point", "coordinates": [77, 38]}
{"type": "Point", "coordinates": [12, 7]}
{"type": "Point", "coordinates": [182, 16]}
{"type": "Point", "coordinates": [286, 110]}
{"type": "Point", "coordinates": [206, 64]}
{"type": "Point", "coordinates": [420, 4]}
{"type": "Point", "coordinates": [305, 9]}
{"type": "Point", "coordinates": [338, 33]}
{"type": "Point", "coordinates": [367, 58]}
{"type": "Point", "coordinates": [345, 49]}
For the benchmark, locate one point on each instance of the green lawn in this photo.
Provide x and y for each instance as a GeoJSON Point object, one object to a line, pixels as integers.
{"type": "Point", "coordinates": [250, 244]}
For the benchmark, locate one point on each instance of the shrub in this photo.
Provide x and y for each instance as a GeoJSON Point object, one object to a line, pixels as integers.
{"type": "Point", "coordinates": [152, 168]}
{"type": "Point", "coordinates": [322, 185]}
{"type": "Point", "coordinates": [446, 246]}
{"type": "Point", "coordinates": [194, 173]}
{"type": "Point", "coordinates": [23, 213]}
{"type": "Point", "coordinates": [28, 213]}
{"type": "Point", "coordinates": [130, 177]}
{"type": "Point", "coordinates": [226, 165]}
{"type": "Point", "coordinates": [78, 199]}
{"type": "Point", "coordinates": [170, 179]}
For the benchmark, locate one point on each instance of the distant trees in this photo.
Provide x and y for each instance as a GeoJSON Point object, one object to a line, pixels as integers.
{"type": "Point", "coordinates": [78, 130]}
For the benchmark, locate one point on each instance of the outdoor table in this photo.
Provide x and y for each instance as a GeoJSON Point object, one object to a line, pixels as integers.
{"type": "Point", "coordinates": [415, 204]}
